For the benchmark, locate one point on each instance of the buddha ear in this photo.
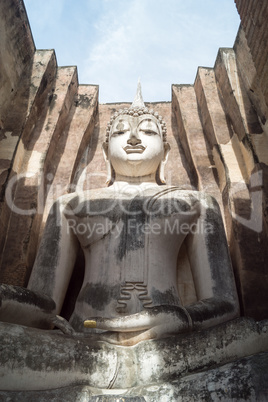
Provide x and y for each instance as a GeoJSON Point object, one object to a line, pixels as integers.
{"type": "Point", "coordinates": [105, 147]}
{"type": "Point", "coordinates": [163, 163]}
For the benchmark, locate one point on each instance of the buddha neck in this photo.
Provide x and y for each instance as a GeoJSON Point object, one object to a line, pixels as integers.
{"type": "Point", "coordinates": [139, 181]}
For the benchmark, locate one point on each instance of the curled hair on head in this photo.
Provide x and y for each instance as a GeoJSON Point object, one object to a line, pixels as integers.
{"type": "Point", "coordinates": [135, 112]}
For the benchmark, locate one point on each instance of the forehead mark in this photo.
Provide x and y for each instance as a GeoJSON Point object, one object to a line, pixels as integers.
{"type": "Point", "coordinates": [120, 125]}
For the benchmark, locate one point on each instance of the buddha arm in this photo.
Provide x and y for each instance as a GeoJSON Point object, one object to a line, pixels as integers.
{"type": "Point", "coordinates": [56, 256]}
{"type": "Point", "coordinates": [38, 305]}
{"type": "Point", "coordinates": [26, 307]}
{"type": "Point", "coordinates": [211, 268]}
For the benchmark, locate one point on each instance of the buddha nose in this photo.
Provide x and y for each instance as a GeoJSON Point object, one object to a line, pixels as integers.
{"type": "Point", "coordinates": [134, 138]}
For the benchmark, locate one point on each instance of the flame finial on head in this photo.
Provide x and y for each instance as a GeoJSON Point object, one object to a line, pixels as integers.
{"type": "Point", "coordinates": [138, 100]}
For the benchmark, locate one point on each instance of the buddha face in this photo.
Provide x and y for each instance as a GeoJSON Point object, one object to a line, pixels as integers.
{"type": "Point", "coordinates": [135, 145]}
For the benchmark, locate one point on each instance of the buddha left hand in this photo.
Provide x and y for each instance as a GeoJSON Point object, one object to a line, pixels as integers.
{"type": "Point", "coordinates": [152, 323]}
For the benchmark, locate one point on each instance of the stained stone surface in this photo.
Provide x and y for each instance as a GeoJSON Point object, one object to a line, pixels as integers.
{"type": "Point", "coordinates": [206, 363]}
{"type": "Point", "coordinates": [225, 363]}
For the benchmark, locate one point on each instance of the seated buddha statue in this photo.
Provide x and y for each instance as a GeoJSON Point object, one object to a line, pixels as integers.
{"type": "Point", "coordinates": [131, 233]}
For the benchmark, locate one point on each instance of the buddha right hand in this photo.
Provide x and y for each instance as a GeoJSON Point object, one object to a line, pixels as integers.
{"type": "Point", "coordinates": [62, 324]}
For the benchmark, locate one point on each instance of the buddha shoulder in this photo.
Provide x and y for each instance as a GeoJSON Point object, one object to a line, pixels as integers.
{"type": "Point", "coordinates": [72, 200]}
{"type": "Point", "coordinates": [184, 200]}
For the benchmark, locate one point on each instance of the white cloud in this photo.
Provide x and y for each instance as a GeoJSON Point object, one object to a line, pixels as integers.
{"type": "Point", "coordinates": [159, 41]}
{"type": "Point", "coordinates": [45, 17]}
{"type": "Point", "coordinates": [113, 42]}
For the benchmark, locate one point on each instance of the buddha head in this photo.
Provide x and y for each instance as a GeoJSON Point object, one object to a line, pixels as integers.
{"type": "Point", "coordinates": [136, 143]}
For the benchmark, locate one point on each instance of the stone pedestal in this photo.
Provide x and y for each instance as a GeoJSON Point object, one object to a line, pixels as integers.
{"type": "Point", "coordinates": [227, 362]}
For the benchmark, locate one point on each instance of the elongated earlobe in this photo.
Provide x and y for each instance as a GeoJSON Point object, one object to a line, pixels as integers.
{"type": "Point", "coordinates": [163, 163]}
{"type": "Point", "coordinates": [109, 178]}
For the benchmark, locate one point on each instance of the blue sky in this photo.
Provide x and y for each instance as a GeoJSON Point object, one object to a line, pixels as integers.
{"type": "Point", "coordinates": [114, 42]}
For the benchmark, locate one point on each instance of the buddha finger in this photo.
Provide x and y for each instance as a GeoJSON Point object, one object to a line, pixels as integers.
{"type": "Point", "coordinates": [63, 325]}
{"type": "Point", "coordinates": [157, 332]}
{"type": "Point", "coordinates": [138, 321]}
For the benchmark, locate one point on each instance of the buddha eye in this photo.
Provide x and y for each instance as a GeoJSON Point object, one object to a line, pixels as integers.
{"type": "Point", "coordinates": [115, 133]}
{"type": "Point", "coordinates": [149, 132]}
